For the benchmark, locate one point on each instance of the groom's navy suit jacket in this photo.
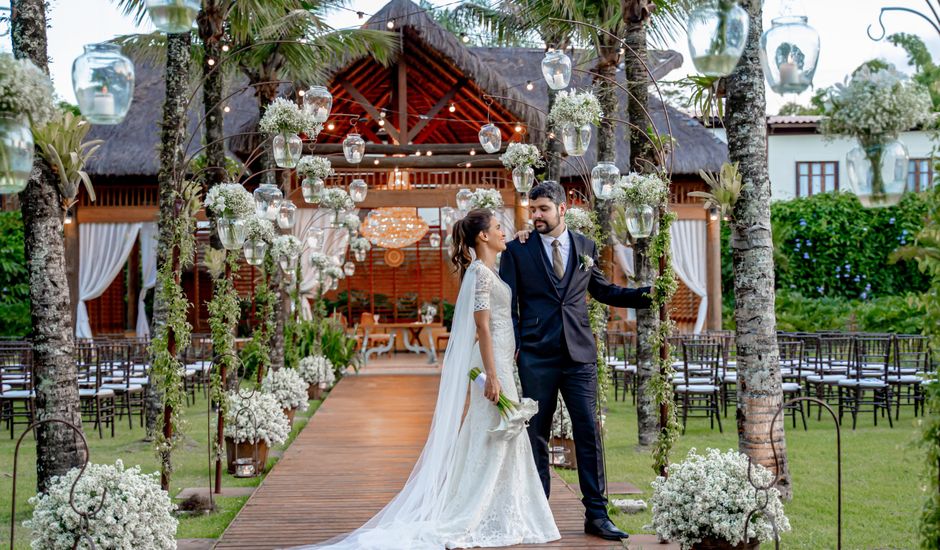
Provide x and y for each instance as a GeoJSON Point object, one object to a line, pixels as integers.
{"type": "Point", "coordinates": [550, 316]}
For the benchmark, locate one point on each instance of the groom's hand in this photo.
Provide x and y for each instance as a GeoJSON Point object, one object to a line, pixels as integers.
{"type": "Point", "coordinates": [523, 235]}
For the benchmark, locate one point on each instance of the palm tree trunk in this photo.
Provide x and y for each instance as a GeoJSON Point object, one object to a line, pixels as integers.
{"type": "Point", "coordinates": [58, 448]}
{"type": "Point", "coordinates": [211, 31]}
{"type": "Point", "coordinates": [606, 92]}
{"type": "Point", "coordinates": [759, 383]}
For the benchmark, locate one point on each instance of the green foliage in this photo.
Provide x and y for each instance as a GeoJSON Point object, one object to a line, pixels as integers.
{"type": "Point", "coordinates": [897, 314]}
{"type": "Point", "coordinates": [815, 106]}
{"type": "Point", "coordinates": [14, 277]}
{"type": "Point", "coordinates": [62, 143]}
{"type": "Point", "coordinates": [333, 341]}
{"type": "Point", "coordinates": [919, 57]}
{"type": "Point", "coordinates": [660, 383]}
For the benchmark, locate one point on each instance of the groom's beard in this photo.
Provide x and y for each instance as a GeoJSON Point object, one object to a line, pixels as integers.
{"type": "Point", "coordinates": [544, 227]}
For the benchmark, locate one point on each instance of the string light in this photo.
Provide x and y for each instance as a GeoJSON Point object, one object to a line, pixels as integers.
{"type": "Point", "coordinates": [225, 47]}
{"type": "Point", "coordinates": [464, 37]}
{"type": "Point", "coordinates": [381, 122]}
{"type": "Point", "coordinates": [529, 86]}
{"type": "Point", "coordinates": [429, 153]}
{"type": "Point", "coordinates": [417, 153]}
{"type": "Point", "coordinates": [468, 165]}
{"type": "Point", "coordinates": [551, 135]}
{"type": "Point", "coordinates": [301, 92]}
{"type": "Point", "coordinates": [452, 108]}
{"type": "Point", "coordinates": [210, 61]}
{"type": "Point", "coordinates": [331, 126]}
{"type": "Point", "coordinates": [391, 24]}
{"type": "Point", "coordinates": [473, 152]}
{"type": "Point", "coordinates": [227, 109]}
{"type": "Point", "coordinates": [518, 128]}
{"type": "Point", "coordinates": [376, 162]}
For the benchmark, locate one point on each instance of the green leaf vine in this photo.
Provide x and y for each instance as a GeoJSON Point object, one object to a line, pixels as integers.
{"type": "Point", "coordinates": [224, 313]}
{"type": "Point", "coordinates": [265, 299]}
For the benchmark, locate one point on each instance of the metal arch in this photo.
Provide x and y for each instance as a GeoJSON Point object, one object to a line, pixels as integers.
{"type": "Point", "coordinates": [935, 22]}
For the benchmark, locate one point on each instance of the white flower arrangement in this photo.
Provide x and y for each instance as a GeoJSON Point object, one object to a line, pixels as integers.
{"type": "Point", "coordinates": [352, 222]}
{"type": "Point", "coordinates": [518, 155]}
{"type": "Point", "coordinates": [575, 108]}
{"type": "Point", "coordinates": [317, 369]}
{"type": "Point", "coordinates": [283, 116]}
{"type": "Point", "coordinates": [260, 229]}
{"type": "Point", "coordinates": [428, 310]}
{"type": "Point", "coordinates": [256, 417]}
{"type": "Point", "coordinates": [586, 262]}
{"type": "Point", "coordinates": [636, 189]}
{"type": "Point", "coordinates": [561, 422]}
{"type": "Point", "coordinates": [287, 386]}
{"type": "Point", "coordinates": [580, 220]}
{"type": "Point", "coordinates": [320, 261]}
{"type": "Point", "coordinates": [334, 271]}
{"type": "Point", "coordinates": [875, 105]}
{"type": "Point", "coordinates": [336, 199]}
{"type": "Point", "coordinates": [360, 244]}
{"type": "Point", "coordinates": [25, 91]}
{"type": "Point", "coordinates": [314, 167]}
{"type": "Point", "coordinates": [136, 513]}
{"type": "Point", "coordinates": [230, 200]}
{"type": "Point", "coordinates": [710, 496]}
{"type": "Point", "coordinates": [486, 198]}
{"type": "Point", "coordinates": [286, 246]}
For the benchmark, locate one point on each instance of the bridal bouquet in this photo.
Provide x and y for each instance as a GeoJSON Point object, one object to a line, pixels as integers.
{"type": "Point", "coordinates": [486, 198]}
{"type": "Point", "coordinates": [520, 155]}
{"type": "Point", "coordinates": [285, 117]}
{"type": "Point", "coordinates": [514, 417]}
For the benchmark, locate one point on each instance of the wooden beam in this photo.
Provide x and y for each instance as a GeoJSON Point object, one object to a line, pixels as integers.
{"type": "Point", "coordinates": [371, 109]}
{"type": "Point", "coordinates": [421, 198]}
{"type": "Point", "coordinates": [689, 211]}
{"type": "Point", "coordinates": [392, 149]}
{"type": "Point", "coordinates": [434, 161]}
{"type": "Point", "coordinates": [402, 96]}
{"type": "Point", "coordinates": [413, 133]}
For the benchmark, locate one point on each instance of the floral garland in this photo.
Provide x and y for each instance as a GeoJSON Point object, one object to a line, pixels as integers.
{"type": "Point", "coordinates": [575, 108]}
{"type": "Point", "coordinates": [520, 155]}
{"type": "Point", "coordinates": [336, 199]}
{"type": "Point", "coordinates": [317, 369]}
{"type": "Point", "coordinates": [360, 244]}
{"type": "Point", "coordinates": [283, 116]}
{"type": "Point", "coordinates": [256, 417]}
{"type": "Point", "coordinates": [288, 387]}
{"type": "Point", "coordinates": [135, 513]}
{"type": "Point", "coordinates": [314, 167]}
{"type": "Point", "coordinates": [486, 198]}
{"type": "Point", "coordinates": [25, 90]}
{"type": "Point", "coordinates": [260, 229]}
{"type": "Point", "coordinates": [286, 246]}
{"type": "Point", "coordinates": [230, 200]}
{"type": "Point", "coordinates": [224, 313]}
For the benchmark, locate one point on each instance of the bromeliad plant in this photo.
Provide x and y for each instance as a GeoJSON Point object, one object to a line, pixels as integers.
{"type": "Point", "coordinates": [61, 142]}
{"type": "Point", "coordinates": [724, 189]}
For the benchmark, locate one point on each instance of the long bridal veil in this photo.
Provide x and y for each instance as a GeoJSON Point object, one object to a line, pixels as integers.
{"type": "Point", "coordinates": [408, 521]}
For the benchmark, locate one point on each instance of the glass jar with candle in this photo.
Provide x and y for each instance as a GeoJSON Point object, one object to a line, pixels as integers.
{"type": "Point", "coordinates": [103, 81]}
{"type": "Point", "coordinates": [490, 138]}
{"type": "Point", "coordinates": [358, 190]}
{"type": "Point", "coordinates": [267, 200]}
{"type": "Point", "coordinates": [556, 69]}
{"type": "Point", "coordinates": [318, 102]}
{"type": "Point", "coordinates": [789, 51]}
{"type": "Point", "coordinates": [354, 147]}
{"type": "Point", "coordinates": [522, 178]}
{"type": "Point", "coordinates": [16, 154]}
{"type": "Point", "coordinates": [604, 178]}
{"type": "Point", "coordinates": [173, 16]}
{"type": "Point", "coordinates": [717, 32]}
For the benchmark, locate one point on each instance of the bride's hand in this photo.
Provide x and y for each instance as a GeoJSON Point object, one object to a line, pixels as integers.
{"type": "Point", "coordinates": [523, 235]}
{"type": "Point", "coordinates": [491, 389]}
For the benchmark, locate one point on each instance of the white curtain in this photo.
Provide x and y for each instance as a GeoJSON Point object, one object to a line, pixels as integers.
{"type": "Point", "coordinates": [334, 243]}
{"type": "Point", "coordinates": [688, 259]}
{"type": "Point", "coordinates": [624, 257]}
{"type": "Point", "coordinates": [103, 250]}
{"type": "Point", "coordinates": [148, 273]}
{"type": "Point", "coordinates": [508, 220]}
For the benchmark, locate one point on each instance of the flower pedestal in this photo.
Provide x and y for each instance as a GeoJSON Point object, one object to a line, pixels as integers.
{"type": "Point", "coordinates": [289, 413]}
{"type": "Point", "coordinates": [710, 543]}
{"type": "Point", "coordinates": [561, 453]}
{"type": "Point", "coordinates": [316, 391]}
{"type": "Point", "coordinates": [246, 449]}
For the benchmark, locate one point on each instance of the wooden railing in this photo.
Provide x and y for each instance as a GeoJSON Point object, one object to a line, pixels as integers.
{"type": "Point", "coordinates": [408, 179]}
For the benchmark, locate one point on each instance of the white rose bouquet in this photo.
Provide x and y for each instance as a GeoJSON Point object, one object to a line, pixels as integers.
{"type": "Point", "coordinates": [256, 417]}
{"type": "Point", "coordinates": [283, 116]}
{"type": "Point", "coordinates": [286, 246]}
{"type": "Point", "coordinates": [575, 108]}
{"type": "Point", "coordinates": [230, 200]}
{"type": "Point", "coordinates": [314, 167]}
{"type": "Point", "coordinates": [136, 513]}
{"type": "Point", "coordinates": [518, 155]}
{"type": "Point", "coordinates": [25, 91]}
{"type": "Point", "coordinates": [336, 199]}
{"type": "Point", "coordinates": [287, 386]}
{"type": "Point", "coordinates": [486, 198]}
{"type": "Point", "coordinates": [260, 229]}
{"type": "Point", "coordinates": [317, 369]}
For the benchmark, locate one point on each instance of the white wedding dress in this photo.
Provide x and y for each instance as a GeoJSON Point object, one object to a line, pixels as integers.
{"type": "Point", "coordinates": [468, 488]}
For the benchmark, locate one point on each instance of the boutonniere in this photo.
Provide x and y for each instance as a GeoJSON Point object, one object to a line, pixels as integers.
{"type": "Point", "coordinates": [587, 262]}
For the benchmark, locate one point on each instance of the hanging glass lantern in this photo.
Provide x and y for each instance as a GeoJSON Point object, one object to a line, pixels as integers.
{"type": "Point", "coordinates": [360, 255]}
{"type": "Point", "coordinates": [491, 138]}
{"type": "Point", "coordinates": [173, 16]}
{"type": "Point", "coordinates": [232, 232]}
{"type": "Point", "coordinates": [311, 188]}
{"type": "Point", "coordinates": [464, 196]}
{"type": "Point", "coordinates": [267, 200]}
{"type": "Point", "coordinates": [878, 174]}
{"type": "Point", "coordinates": [358, 189]}
{"type": "Point", "coordinates": [789, 51]}
{"type": "Point", "coordinates": [717, 33]}
{"type": "Point", "coordinates": [556, 68]}
{"type": "Point", "coordinates": [16, 154]}
{"type": "Point", "coordinates": [288, 263]}
{"type": "Point", "coordinates": [353, 148]}
{"type": "Point", "coordinates": [103, 81]}
{"type": "Point", "coordinates": [447, 216]}
{"type": "Point", "coordinates": [318, 101]}
{"type": "Point", "coordinates": [349, 269]}
{"type": "Point", "coordinates": [286, 214]}
{"type": "Point", "coordinates": [640, 220]}
{"type": "Point", "coordinates": [287, 149]}
{"type": "Point", "coordinates": [604, 178]}
{"type": "Point", "coordinates": [435, 239]}
{"type": "Point", "coordinates": [314, 237]}
{"type": "Point", "coordinates": [576, 138]}
{"type": "Point", "coordinates": [254, 251]}
{"type": "Point", "coordinates": [524, 201]}
{"type": "Point", "coordinates": [522, 178]}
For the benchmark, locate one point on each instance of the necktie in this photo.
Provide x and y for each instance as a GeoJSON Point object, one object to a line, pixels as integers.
{"type": "Point", "coordinates": [557, 264]}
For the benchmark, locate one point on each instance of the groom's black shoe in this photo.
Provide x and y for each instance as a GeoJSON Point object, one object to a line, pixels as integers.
{"type": "Point", "coordinates": [604, 528]}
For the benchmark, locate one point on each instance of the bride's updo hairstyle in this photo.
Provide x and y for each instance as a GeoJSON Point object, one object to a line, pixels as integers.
{"type": "Point", "coordinates": [465, 235]}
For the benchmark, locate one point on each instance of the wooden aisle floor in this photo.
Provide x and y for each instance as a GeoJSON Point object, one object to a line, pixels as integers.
{"type": "Point", "coordinates": [351, 459]}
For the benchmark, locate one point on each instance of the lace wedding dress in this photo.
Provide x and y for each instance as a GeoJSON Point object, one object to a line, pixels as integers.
{"type": "Point", "coordinates": [468, 488]}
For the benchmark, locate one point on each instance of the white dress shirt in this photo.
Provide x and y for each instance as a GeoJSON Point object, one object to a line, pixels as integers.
{"type": "Point", "coordinates": [565, 247]}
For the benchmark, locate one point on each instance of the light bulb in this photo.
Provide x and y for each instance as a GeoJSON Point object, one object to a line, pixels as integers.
{"type": "Point", "coordinates": [529, 86]}
{"type": "Point", "coordinates": [390, 24]}
{"type": "Point", "coordinates": [452, 108]}
{"type": "Point", "coordinates": [210, 61]}
{"type": "Point", "coordinates": [331, 126]}
{"type": "Point", "coordinates": [225, 48]}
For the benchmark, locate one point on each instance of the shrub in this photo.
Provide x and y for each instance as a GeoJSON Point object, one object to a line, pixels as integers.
{"type": "Point", "coordinates": [14, 277]}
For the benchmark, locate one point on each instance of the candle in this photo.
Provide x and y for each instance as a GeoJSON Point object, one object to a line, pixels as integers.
{"type": "Point", "coordinates": [322, 113]}
{"type": "Point", "coordinates": [558, 80]}
{"type": "Point", "coordinates": [789, 74]}
{"type": "Point", "coordinates": [103, 104]}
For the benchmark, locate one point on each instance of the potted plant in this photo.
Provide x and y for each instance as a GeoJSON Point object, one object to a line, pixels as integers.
{"type": "Point", "coordinates": [286, 250]}
{"type": "Point", "coordinates": [259, 235]}
{"type": "Point", "coordinates": [573, 113]}
{"type": "Point", "coordinates": [428, 312]}
{"type": "Point", "coordinates": [360, 246]}
{"type": "Point", "coordinates": [253, 424]}
{"type": "Point", "coordinates": [522, 158]}
{"type": "Point", "coordinates": [337, 200]}
{"type": "Point", "coordinates": [284, 119]}
{"type": "Point", "coordinates": [289, 388]}
{"type": "Point", "coordinates": [135, 512]}
{"type": "Point", "coordinates": [706, 500]}
{"type": "Point", "coordinates": [317, 372]}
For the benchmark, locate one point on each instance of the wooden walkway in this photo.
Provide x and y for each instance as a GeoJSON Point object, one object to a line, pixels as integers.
{"type": "Point", "coordinates": [351, 459]}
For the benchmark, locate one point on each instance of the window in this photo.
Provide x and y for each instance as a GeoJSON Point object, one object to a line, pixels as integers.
{"type": "Point", "coordinates": [919, 174]}
{"type": "Point", "coordinates": [816, 177]}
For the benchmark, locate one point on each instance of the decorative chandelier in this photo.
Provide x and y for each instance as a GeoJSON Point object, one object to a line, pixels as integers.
{"type": "Point", "coordinates": [394, 227]}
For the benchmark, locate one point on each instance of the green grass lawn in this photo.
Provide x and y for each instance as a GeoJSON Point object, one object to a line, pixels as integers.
{"type": "Point", "coordinates": [190, 461]}
{"type": "Point", "coordinates": [882, 492]}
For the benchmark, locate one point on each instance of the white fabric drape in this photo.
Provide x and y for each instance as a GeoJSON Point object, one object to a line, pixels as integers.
{"type": "Point", "coordinates": [508, 220]}
{"type": "Point", "coordinates": [624, 257]}
{"type": "Point", "coordinates": [688, 259]}
{"type": "Point", "coordinates": [148, 273]}
{"type": "Point", "coordinates": [334, 243]}
{"type": "Point", "coordinates": [103, 250]}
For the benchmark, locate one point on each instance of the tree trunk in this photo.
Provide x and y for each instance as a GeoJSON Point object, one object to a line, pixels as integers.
{"type": "Point", "coordinates": [173, 129]}
{"type": "Point", "coordinates": [58, 448]}
{"type": "Point", "coordinates": [759, 383]}
{"type": "Point", "coordinates": [606, 92]}
{"type": "Point", "coordinates": [211, 32]}
{"type": "Point", "coordinates": [552, 145]}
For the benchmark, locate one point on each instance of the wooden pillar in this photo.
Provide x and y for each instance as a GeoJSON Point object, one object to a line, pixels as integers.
{"type": "Point", "coordinates": [133, 286]}
{"type": "Point", "coordinates": [72, 261]}
{"type": "Point", "coordinates": [402, 97]}
{"type": "Point", "coordinates": [713, 271]}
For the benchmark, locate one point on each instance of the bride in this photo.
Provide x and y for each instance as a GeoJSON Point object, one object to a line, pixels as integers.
{"type": "Point", "coordinates": [475, 483]}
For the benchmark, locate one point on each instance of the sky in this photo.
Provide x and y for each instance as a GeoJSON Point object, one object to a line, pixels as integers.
{"type": "Point", "coordinates": [841, 25]}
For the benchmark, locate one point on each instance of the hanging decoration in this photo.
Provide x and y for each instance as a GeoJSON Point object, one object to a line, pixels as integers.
{"type": "Point", "coordinates": [574, 112]}
{"type": "Point", "coordinates": [435, 240]}
{"type": "Point", "coordinates": [522, 158]}
{"type": "Point", "coordinates": [286, 214]}
{"type": "Point", "coordinates": [103, 81]}
{"type": "Point", "coordinates": [26, 96]}
{"type": "Point", "coordinates": [358, 189]}
{"type": "Point", "coordinates": [313, 170]}
{"type": "Point", "coordinates": [717, 32]}
{"type": "Point", "coordinates": [789, 51]}
{"type": "Point", "coordinates": [354, 147]}
{"type": "Point", "coordinates": [267, 200]}
{"type": "Point", "coordinates": [173, 16]}
{"type": "Point", "coordinates": [394, 227]}
{"type": "Point", "coordinates": [284, 120]}
{"type": "Point", "coordinates": [491, 138]}
{"type": "Point", "coordinates": [318, 102]}
{"type": "Point", "coordinates": [604, 178]}
{"type": "Point", "coordinates": [556, 68]}
{"type": "Point", "coordinates": [464, 196]}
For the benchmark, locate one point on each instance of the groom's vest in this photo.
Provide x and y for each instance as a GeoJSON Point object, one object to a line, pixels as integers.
{"type": "Point", "coordinates": [560, 284]}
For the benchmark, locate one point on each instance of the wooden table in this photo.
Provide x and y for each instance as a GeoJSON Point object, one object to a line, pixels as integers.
{"type": "Point", "coordinates": [414, 329]}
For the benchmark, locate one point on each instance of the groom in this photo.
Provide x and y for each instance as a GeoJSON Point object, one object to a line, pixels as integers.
{"type": "Point", "coordinates": [549, 275]}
